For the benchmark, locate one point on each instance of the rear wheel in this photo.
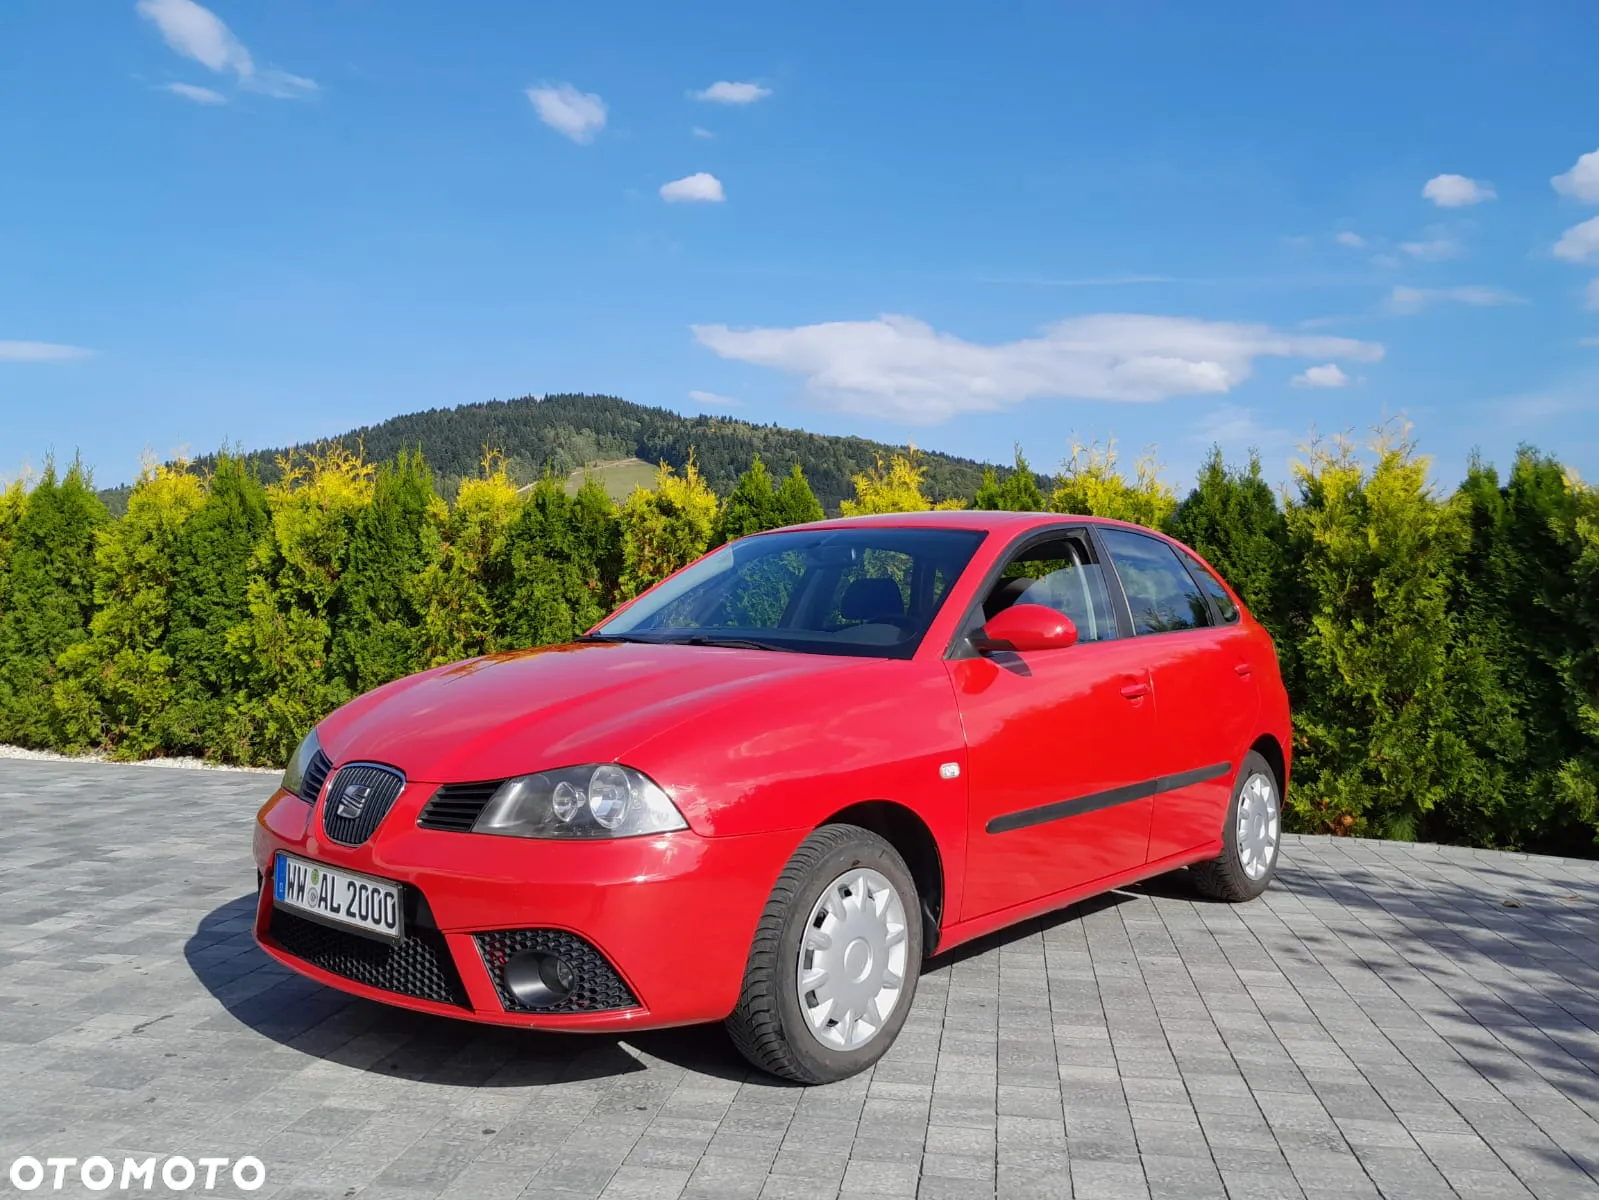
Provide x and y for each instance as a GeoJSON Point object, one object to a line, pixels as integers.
{"type": "Point", "coordinates": [836, 957]}
{"type": "Point", "coordinates": [1251, 837]}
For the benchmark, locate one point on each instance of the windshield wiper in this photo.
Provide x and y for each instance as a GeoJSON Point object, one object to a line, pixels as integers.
{"type": "Point", "coordinates": [733, 643]}
{"type": "Point", "coordinates": [610, 637]}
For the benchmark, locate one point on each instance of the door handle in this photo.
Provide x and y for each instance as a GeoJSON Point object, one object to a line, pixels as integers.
{"type": "Point", "coordinates": [1243, 669]}
{"type": "Point", "coordinates": [1135, 691]}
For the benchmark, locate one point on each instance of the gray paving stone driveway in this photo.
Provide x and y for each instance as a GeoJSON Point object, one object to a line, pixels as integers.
{"type": "Point", "coordinates": [1389, 1020]}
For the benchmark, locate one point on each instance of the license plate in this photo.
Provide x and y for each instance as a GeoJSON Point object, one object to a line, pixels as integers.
{"type": "Point", "coordinates": [339, 897]}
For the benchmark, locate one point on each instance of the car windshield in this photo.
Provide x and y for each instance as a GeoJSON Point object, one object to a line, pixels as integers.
{"type": "Point", "coordinates": [870, 592]}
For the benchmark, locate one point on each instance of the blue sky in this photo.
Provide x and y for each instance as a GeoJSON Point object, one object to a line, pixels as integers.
{"type": "Point", "coordinates": [969, 227]}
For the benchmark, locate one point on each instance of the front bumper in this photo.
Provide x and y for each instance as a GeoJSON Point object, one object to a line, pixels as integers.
{"type": "Point", "coordinates": [672, 916]}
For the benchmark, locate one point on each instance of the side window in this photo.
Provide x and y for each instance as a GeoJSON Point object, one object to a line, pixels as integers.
{"type": "Point", "coordinates": [1062, 575]}
{"type": "Point", "coordinates": [1162, 595]}
{"type": "Point", "coordinates": [1212, 587]}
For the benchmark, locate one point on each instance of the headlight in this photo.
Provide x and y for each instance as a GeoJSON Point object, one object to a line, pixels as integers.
{"type": "Point", "coordinates": [601, 800]}
{"type": "Point", "coordinates": [294, 773]}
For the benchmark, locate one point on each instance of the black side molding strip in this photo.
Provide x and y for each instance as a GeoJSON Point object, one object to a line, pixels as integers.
{"type": "Point", "coordinates": [1061, 809]}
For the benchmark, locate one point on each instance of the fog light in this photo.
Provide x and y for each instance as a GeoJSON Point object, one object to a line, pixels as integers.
{"type": "Point", "coordinates": [538, 980]}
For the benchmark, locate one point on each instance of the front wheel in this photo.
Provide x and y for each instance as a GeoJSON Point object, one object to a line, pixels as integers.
{"type": "Point", "coordinates": [1251, 837]}
{"type": "Point", "coordinates": [836, 957]}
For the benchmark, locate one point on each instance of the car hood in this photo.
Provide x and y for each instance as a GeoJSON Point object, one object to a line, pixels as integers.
{"type": "Point", "coordinates": [528, 710]}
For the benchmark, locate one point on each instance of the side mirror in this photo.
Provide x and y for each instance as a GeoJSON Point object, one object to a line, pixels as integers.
{"type": "Point", "coordinates": [1024, 627]}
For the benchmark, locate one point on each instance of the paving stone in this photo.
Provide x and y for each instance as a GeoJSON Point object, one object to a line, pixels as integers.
{"type": "Point", "coordinates": [1379, 1023]}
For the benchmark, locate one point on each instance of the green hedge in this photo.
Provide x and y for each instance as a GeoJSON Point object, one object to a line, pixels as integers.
{"type": "Point", "coordinates": [1441, 650]}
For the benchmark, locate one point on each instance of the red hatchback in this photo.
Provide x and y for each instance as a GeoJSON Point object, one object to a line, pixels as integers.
{"type": "Point", "coordinates": [765, 790]}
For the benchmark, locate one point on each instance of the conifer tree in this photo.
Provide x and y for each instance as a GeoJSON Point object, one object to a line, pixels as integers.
{"type": "Point", "coordinates": [1018, 492]}
{"type": "Point", "coordinates": [49, 599]}
{"type": "Point", "coordinates": [284, 646]}
{"type": "Point", "coordinates": [213, 557]}
{"type": "Point", "coordinates": [1090, 483]}
{"type": "Point", "coordinates": [376, 629]}
{"type": "Point", "coordinates": [1232, 519]}
{"type": "Point", "coordinates": [1386, 689]}
{"type": "Point", "coordinates": [796, 503]}
{"type": "Point", "coordinates": [115, 687]}
{"type": "Point", "coordinates": [665, 529]}
{"type": "Point", "coordinates": [561, 564]}
{"type": "Point", "coordinates": [750, 507]}
{"type": "Point", "coordinates": [893, 487]}
{"type": "Point", "coordinates": [465, 556]}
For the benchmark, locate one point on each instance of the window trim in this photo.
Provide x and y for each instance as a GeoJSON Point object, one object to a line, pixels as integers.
{"type": "Point", "coordinates": [1178, 553]}
{"type": "Point", "coordinates": [960, 646]}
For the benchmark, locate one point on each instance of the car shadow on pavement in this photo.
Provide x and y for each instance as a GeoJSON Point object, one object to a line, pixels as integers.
{"type": "Point", "coordinates": [260, 993]}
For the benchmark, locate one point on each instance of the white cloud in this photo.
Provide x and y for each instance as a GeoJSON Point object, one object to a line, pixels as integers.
{"type": "Point", "coordinates": [199, 34]}
{"type": "Point", "coordinates": [1328, 375]}
{"type": "Point", "coordinates": [578, 115]}
{"type": "Point", "coordinates": [699, 187]}
{"type": "Point", "coordinates": [1588, 341]}
{"type": "Point", "coordinates": [200, 95]}
{"type": "Point", "coordinates": [900, 367]}
{"type": "Point", "coordinates": [1234, 427]}
{"type": "Point", "coordinates": [40, 352]}
{"type": "Point", "coordinates": [1388, 261]}
{"type": "Point", "coordinates": [1593, 293]}
{"type": "Point", "coordinates": [712, 400]}
{"type": "Point", "coordinates": [1413, 299]}
{"type": "Point", "coordinates": [1456, 191]}
{"type": "Point", "coordinates": [1351, 239]}
{"type": "Point", "coordinates": [724, 92]}
{"type": "Point", "coordinates": [1432, 250]}
{"type": "Point", "coordinates": [1580, 242]}
{"type": "Point", "coordinates": [701, 132]}
{"type": "Point", "coordinates": [1582, 181]}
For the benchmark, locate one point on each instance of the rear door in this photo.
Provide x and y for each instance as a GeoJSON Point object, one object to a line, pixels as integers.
{"type": "Point", "coordinates": [1054, 737]}
{"type": "Point", "coordinates": [1206, 703]}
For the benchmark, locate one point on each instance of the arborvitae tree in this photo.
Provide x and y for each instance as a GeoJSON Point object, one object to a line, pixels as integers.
{"type": "Point", "coordinates": [49, 600]}
{"type": "Point", "coordinates": [893, 487]}
{"type": "Point", "coordinates": [665, 529]}
{"type": "Point", "coordinates": [749, 508]}
{"type": "Point", "coordinates": [1520, 598]}
{"type": "Point", "coordinates": [285, 644]}
{"type": "Point", "coordinates": [464, 557]}
{"type": "Point", "coordinates": [13, 503]}
{"type": "Point", "coordinates": [1390, 703]}
{"type": "Point", "coordinates": [1018, 492]}
{"type": "Point", "coordinates": [212, 560]}
{"type": "Point", "coordinates": [376, 628]}
{"type": "Point", "coordinates": [1232, 519]}
{"type": "Point", "coordinates": [562, 554]}
{"type": "Point", "coordinates": [1091, 484]}
{"type": "Point", "coordinates": [796, 503]}
{"type": "Point", "coordinates": [115, 687]}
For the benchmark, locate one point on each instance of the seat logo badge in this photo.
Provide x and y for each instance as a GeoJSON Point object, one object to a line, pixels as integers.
{"type": "Point", "coordinates": [949, 770]}
{"type": "Point", "coordinates": [352, 801]}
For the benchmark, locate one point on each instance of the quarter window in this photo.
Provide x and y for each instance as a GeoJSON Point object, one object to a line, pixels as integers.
{"type": "Point", "coordinates": [1160, 592]}
{"type": "Point", "coordinates": [1212, 587]}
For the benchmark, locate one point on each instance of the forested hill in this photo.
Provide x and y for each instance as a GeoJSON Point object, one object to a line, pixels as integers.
{"type": "Point", "coordinates": [564, 433]}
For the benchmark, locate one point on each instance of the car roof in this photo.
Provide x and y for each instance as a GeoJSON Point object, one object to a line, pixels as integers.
{"type": "Point", "coordinates": [986, 520]}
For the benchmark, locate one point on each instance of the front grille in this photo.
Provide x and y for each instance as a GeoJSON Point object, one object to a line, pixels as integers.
{"type": "Point", "coordinates": [598, 988]}
{"type": "Point", "coordinates": [456, 806]}
{"type": "Point", "coordinates": [419, 966]}
{"type": "Point", "coordinates": [368, 791]}
{"type": "Point", "coordinates": [316, 773]}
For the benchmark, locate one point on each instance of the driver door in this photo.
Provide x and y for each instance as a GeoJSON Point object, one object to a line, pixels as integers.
{"type": "Point", "coordinates": [1057, 740]}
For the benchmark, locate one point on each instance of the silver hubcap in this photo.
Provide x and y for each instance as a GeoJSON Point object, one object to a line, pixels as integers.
{"type": "Point", "coordinates": [852, 959]}
{"type": "Point", "coordinates": [1258, 825]}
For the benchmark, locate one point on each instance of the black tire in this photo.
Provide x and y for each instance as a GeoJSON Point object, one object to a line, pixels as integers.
{"type": "Point", "coordinates": [1224, 877]}
{"type": "Point", "coordinates": [767, 1026]}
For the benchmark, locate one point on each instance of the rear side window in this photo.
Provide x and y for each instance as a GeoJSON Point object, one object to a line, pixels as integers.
{"type": "Point", "coordinates": [1212, 587]}
{"type": "Point", "coordinates": [1160, 592]}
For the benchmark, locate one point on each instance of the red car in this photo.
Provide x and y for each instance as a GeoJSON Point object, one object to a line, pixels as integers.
{"type": "Point", "coordinates": [765, 790]}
